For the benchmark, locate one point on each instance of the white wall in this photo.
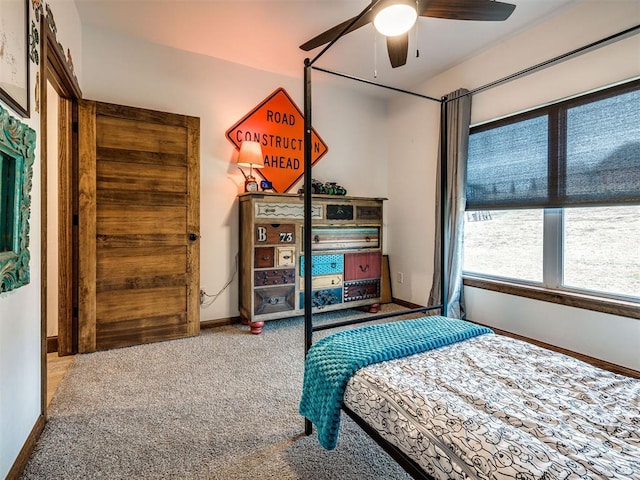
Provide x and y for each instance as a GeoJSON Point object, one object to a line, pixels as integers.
{"type": "Point", "coordinates": [20, 323]}
{"type": "Point", "coordinates": [610, 337]}
{"type": "Point", "coordinates": [130, 71]}
{"type": "Point", "coordinates": [413, 132]}
{"type": "Point", "coordinates": [616, 339]}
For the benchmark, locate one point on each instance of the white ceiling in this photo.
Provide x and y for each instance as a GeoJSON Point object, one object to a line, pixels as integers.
{"type": "Point", "coordinates": [265, 34]}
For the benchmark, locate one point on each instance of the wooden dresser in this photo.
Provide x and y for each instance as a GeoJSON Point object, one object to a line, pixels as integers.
{"type": "Point", "coordinates": [347, 255]}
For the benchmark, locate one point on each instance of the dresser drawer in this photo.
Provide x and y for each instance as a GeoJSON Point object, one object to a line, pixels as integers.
{"type": "Point", "coordinates": [275, 233]}
{"type": "Point", "coordinates": [263, 278]}
{"type": "Point", "coordinates": [368, 212]}
{"type": "Point", "coordinates": [285, 257]}
{"type": "Point", "coordinates": [263, 257]}
{"type": "Point", "coordinates": [274, 299]}
{"type": "Point", "coordinates": [321, 298]}
{"type": "Point", "coordinates": [286, 210]}
{"type": "Point", "coordinates": [345, 238]}
{"type": "Point", "coordinates": [361, 290]}
{"type": "Point", "coordinates": [324, 264]}
{"type": "Point", "coordinates": [362, 265]}
{"type": "Point", "coordinates": [323, 281]}
{"type": "Point", "coordinates": [339, 212]}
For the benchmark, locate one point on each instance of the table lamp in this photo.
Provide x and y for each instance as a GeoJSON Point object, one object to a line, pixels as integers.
{"type": "Point", "coordinates": [251, 156]}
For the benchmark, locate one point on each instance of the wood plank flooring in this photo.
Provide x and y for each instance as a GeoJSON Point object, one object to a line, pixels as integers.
{"type": "Point", "coordinates": [56, 369]}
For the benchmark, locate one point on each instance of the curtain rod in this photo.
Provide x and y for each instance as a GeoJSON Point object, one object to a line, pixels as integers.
{"type": "Point", "coordinates": [369, 82]}
{"type": "Point", "coordinates": [560, 58]}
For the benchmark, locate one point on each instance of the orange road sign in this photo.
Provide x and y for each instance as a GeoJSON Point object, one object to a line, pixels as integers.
{"type": "Point", "coordinates": [278, 125]}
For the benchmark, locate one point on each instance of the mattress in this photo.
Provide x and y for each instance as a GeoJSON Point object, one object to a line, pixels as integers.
{"type": "Point", "coordinates": [495, 407]}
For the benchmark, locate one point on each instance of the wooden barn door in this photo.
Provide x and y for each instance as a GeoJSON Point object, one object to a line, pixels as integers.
{"type": "Point", "coordinates": [139, 196]}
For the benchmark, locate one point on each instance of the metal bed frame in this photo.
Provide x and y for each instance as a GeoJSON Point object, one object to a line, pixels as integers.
{"type": "Point", "coordinates": [408, 464]}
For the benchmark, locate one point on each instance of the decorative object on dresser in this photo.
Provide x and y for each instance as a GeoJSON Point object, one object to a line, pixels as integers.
{"type": "Point", "coordinates": [330, 188]}
{"type": "Point", "coordinates": [250, 155]}
{"type": "Point", "coordinates": [347, 255]}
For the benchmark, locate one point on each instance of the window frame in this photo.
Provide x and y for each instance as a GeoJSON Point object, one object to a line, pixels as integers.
{"type": "Point", "coordinates": [552, 288]}
{"type": "Point", "coordinates": [562, 297]}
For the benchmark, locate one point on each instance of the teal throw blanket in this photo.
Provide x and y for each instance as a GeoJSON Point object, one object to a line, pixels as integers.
{"type": "Point", "coordinates": [333, 360]}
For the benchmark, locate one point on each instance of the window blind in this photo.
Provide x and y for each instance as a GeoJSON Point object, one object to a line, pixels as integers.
{"type": "Point", "coordinates": [583, 151]}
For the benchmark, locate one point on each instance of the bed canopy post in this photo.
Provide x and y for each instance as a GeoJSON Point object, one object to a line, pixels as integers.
{"type": "Point", "coordinates": [308, 320]}
{"type": "Point", "coordinates": [444, 208]}
{"type": "Point", "coordinates": [306, 241]}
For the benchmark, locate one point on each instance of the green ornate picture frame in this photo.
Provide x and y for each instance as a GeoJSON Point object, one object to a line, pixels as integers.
{"type": "Point", "coordinates": [17, 154]}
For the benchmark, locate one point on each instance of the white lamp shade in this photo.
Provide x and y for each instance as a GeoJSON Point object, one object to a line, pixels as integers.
{"type": "Point", "coordinates": [250, 155]}
{"type": "Point", "coordinates": [395, 20]}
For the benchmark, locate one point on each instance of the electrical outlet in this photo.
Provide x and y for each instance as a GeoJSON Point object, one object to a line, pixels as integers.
{"type": "Point", "coordinates": [400, 277]}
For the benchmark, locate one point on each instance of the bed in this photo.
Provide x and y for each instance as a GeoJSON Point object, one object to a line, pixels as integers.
{"type": "Point", "coordinates": [473, 404]}
{"type": "Point", "coordinates": [455, 401]}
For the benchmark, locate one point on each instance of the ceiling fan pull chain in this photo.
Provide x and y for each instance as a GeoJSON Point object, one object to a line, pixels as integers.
{"type": "Point", "coordinates": [375, 54]}
{"type": "Point", "coordinates": [416, 31]}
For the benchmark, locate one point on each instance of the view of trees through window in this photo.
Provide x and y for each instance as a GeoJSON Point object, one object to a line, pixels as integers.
{"type": "Point", "coordinates": [601, 247]}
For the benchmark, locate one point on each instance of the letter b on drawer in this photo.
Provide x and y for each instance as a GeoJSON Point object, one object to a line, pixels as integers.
{"type": "Point", "coordinates": [275, 234]}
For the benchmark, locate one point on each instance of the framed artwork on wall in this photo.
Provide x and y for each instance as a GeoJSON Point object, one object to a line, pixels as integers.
{"type": "Point", "coordinates": [17, 155]}
{"type": "Point", "coordinates": [14, 55]}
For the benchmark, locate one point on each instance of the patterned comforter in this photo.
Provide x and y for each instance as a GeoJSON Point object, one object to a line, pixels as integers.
{"type": "Point", "coordinates": [332, 361]}
{"type": "Point", "coordinates": [496, 408]}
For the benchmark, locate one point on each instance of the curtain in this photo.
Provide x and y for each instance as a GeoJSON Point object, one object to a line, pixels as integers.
{"type": "Point", "coordinates": [456, 117]}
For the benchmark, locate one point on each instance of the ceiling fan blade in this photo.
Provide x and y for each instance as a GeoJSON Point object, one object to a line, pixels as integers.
{"type": "Point", "coordinates": [329, 35]}
{"type": "Point", "coordinates": [397, 47]}
{"type": "Point", "coordinates": [482, 10]}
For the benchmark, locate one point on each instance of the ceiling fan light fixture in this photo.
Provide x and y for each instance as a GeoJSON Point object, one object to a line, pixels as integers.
{"type": "Point", "coordinates": [395, 20]}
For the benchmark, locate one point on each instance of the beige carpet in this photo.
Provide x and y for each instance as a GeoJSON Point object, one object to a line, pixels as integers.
{"type": "Point", "coordinates": [223, 405]}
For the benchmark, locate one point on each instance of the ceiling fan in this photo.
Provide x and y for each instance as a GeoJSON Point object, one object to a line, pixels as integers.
{"type": "Point", "coordinates": [398, 43]}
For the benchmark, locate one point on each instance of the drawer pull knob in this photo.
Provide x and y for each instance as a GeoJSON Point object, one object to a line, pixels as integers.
{"type": "Point", "coordinates": [286, 257]}
{"type": "Point", "coordinates": [265, 258]}
{"type": "Point", "coordinates": [316, 238]}
{"type": "Point", "coordinates": [364, 268]}
{"type": "Point", "coordinates": [367, 239]}
{"type": "Point", "coordinates": [334, 264]}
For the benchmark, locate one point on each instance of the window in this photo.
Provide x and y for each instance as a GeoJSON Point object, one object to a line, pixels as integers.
{"type": "Point", "coordinates": [504, 243]}
{"type": "Point", "coordinates": [553, 196]}
{"type": "Point", "coordinates": [602, 249]}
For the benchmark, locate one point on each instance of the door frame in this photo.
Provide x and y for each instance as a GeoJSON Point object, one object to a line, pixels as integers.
{"type": "Point", "coordinates": [55, 70]}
